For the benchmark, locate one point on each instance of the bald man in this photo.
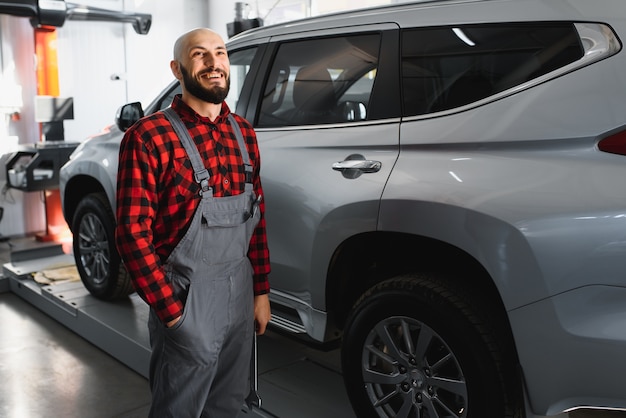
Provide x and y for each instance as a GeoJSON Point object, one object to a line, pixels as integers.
{"type": "Point", "coordinates": [191, 233]}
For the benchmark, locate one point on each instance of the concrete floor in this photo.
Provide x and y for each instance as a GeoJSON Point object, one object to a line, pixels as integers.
{"type": "Point", "coordinates": [46, 370]}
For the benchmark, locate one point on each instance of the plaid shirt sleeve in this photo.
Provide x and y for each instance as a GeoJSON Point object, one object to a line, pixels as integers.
{"type": "Point", "coordinates": [258, 251]}
{"type": "Point", "coordinates": [136, 210]}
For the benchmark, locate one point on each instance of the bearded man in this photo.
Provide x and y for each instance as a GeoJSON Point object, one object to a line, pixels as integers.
{"type": "Point", "coordinates": [191, 233]}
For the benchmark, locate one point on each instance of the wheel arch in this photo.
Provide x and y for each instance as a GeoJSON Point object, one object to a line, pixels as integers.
{"type": "Point", "coordinates": [364, 260]}
{"type": "Point", "coordinates": [76, 189]}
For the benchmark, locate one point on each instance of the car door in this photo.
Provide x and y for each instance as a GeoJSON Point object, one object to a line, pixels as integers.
{"type": "Point", "coordinates": [327, 120]}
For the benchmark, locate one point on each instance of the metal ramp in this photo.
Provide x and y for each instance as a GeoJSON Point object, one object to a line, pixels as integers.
{"type": "Point", "coordinates": [118, 328]}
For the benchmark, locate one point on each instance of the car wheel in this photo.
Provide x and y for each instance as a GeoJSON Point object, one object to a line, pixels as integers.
{"type": "Point", "coordinates": [413, 347]}
{"type": "Point", "coordinates": [97, 260]}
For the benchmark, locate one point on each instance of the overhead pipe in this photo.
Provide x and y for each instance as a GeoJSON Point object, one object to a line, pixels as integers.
{"type": "Point", "coordinates": [141, 21]}
{"type": "Point", "coordinates": [56, 12]}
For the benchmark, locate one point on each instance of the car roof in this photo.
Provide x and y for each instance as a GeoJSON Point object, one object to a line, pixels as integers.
{"type": "Point", "coordinates": [343, 18]}
{"type": "Point", "coordinates": [424, 13]}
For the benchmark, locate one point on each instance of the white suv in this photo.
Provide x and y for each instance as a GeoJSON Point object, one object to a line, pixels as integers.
{"type": "Point", "coordinates": [446, 194]}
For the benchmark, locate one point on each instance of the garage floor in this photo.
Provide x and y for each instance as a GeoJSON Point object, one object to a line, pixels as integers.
{"type": "Point", "coordinates": [47, 370]}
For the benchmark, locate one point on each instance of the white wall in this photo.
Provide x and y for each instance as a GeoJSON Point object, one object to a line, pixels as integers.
{"type": "Point", "coordinates": [89, 54]}
{"type": "Point", "coordinates": [219, 14]}
{"type": "Point", "coordinates": [104, 65]}
{"type": "Point", "coordinates": [148, 56]}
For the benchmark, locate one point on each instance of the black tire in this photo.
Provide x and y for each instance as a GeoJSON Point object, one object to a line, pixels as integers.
{"type": "Point", "coordinates": [97, 260]}
{"type": "Point", "coordinates": [450, 367]}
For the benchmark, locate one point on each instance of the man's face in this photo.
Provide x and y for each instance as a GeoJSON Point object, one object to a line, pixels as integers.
{"type": "Point", "coordinates": [204, 67]}
{"type": "Point", "coordinates": [214, 93]}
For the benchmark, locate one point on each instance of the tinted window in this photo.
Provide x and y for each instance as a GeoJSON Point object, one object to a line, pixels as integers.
{"type": "Point", "coordinates": [240, 62]}
{"type": "Point", "coordinates": [444, 68]}
{"type": "Point", "coordinates": [320, 81]}
{"type": "Point", "coordinates": [167, 99]}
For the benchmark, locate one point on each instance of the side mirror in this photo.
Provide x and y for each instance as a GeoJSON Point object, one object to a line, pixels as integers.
{"type": "Point", "coordinates": [127, 115]}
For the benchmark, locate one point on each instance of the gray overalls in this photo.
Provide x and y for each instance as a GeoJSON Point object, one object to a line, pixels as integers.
{"type": "Point", "coordinates": [200, 367]}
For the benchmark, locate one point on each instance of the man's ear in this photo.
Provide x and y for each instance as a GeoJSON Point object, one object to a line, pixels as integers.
{"type": "Point", "coordinates": [175, 67]}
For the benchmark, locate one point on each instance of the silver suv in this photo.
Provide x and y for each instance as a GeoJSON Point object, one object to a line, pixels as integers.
{"type": "Point", "coordinates": [446, 195]}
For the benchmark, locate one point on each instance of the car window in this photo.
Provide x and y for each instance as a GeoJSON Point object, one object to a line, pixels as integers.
{"type": "Point", "coordinates": [444, 68]}
{"type": "Point", "coordinates": [167, 99]}
{"type": "Point", "coordinates": [240, 62]}
{"type": "Point", "coordinates": [320, 81]}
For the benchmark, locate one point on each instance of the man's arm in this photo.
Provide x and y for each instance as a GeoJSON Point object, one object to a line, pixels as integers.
{"type": "Point", "coordinates": [258, 251]}
{"type": "Point", "coordinates": [136, 209]}
{"type": "Point", "coordinates": [262, 312]}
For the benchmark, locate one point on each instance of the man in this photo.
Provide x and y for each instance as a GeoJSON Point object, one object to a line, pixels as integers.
{"type": "Point", "coordinates": [191, 233]}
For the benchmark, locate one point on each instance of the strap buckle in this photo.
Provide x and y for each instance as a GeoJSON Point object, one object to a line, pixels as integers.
{"type": "Point", "coordinates": [202, 178]}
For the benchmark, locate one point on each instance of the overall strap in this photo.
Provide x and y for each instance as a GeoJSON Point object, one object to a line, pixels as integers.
{"type": "Point", "coordinates": [201, 173]}
{"type": "Point", "coordinates": [242, 147]}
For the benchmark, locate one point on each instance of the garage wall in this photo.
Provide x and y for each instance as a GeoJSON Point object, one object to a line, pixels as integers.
{"type": "Point", "coordinates": [103, 65]}
{"type": "Point", "coordinates": [148, 57]}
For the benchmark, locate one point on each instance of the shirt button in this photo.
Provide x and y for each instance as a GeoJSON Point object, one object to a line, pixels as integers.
{"type": "Point", "coordinates": [226, 181]}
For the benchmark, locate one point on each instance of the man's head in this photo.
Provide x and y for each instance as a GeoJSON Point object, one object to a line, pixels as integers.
{"type": "Point", "coordinates": [202, 66]}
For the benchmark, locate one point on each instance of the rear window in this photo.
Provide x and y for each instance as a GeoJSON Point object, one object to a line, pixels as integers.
{"type": "Point", "coordinates": [447, 67]}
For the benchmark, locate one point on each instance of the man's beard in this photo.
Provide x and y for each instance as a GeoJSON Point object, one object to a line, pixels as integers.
{"type": "Point", "coordinates": [214, 95]}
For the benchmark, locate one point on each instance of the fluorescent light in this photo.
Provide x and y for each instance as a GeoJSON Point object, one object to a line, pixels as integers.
{"type": "Point", "coordinates": [462, 36]}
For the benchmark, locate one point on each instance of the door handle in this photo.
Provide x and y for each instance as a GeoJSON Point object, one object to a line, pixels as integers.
{"type": "Point", "coordinates": [364, 166]}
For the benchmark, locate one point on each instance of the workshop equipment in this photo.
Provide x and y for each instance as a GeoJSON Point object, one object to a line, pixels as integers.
{"type": "Point", "coordinates": [253, 398]}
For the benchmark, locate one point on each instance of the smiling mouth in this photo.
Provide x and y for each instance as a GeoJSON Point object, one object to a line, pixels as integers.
{"type": "Point", "coordinates": [212, 75]}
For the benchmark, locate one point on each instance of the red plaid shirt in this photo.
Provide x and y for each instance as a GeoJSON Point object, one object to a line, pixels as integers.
{"type": "Point", "coordinates": [157, 196]}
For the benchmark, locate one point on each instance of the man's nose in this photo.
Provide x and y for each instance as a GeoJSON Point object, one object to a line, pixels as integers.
{"type": "Point", "coordinates": [209, 60]}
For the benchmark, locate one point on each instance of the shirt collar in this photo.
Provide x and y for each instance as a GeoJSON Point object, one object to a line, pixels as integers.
{"type": "Point", "coordinates": [187, 113]}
